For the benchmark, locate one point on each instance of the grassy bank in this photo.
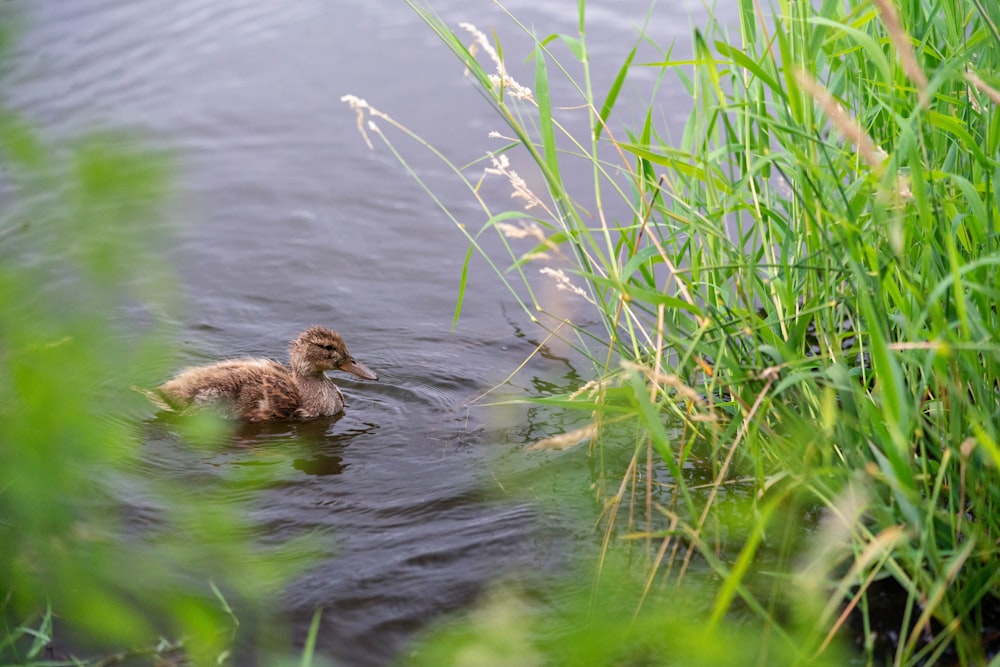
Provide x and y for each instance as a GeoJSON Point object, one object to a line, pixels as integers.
{"type": "Point", "coordinates": [795, 298]}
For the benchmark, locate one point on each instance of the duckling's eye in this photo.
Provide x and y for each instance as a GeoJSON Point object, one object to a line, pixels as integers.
{"type": "Point", "coordinates": [328, 347]}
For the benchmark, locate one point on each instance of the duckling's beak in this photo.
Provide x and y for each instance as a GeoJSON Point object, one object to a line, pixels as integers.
{"type": "Point", "coordinates": [359, 369]}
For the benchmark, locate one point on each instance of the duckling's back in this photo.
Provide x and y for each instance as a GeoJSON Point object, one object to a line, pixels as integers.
{"type": "Point", "coordinates": [251, 389]}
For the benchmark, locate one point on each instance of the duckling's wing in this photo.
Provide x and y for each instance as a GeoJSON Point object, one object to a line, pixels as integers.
{"type": "Point", "coordinates": [279, 398]}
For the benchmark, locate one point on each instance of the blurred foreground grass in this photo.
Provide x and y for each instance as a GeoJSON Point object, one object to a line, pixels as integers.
{"type": "Point", "coordinates": [82, 293]}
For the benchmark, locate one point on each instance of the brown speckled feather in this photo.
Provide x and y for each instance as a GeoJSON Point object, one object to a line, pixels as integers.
{"type": "Point", "coordinates": [264, 390]}
{"type": "Point", "coordinates": [279, 398]}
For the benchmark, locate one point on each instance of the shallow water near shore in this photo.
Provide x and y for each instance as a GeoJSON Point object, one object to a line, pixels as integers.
{"type": "Point", "coordinates": [283, 218]}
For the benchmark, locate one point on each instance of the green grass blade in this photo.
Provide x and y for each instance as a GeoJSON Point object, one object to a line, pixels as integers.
{"type": "Point", "coordinates": [463, 281]}
{"type": "Point", "coordinates": [309, 649]}
{"type": "Point", "coordinates": [613, 91]}
{"type": "Point", "coordinates": [546, 127]}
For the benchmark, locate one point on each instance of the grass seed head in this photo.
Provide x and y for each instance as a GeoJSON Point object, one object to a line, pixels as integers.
{"type": "Point", "coordinates": [502, 81]}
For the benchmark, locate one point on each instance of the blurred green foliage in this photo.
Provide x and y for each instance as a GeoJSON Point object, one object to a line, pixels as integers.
{"type": "Point", "coordinates": [81, 291]}
{"type": "Point", "coordinates": [574, 624]}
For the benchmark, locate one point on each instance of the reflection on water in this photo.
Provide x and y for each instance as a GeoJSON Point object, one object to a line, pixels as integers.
{"type": "Point", "coordinates": [320, 464]}
{"type": "Point", "coordinates": [285, 219]}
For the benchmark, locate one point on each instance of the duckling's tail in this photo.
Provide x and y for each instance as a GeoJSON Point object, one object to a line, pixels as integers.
{"type": "Point", "coordinates": [156, 398]}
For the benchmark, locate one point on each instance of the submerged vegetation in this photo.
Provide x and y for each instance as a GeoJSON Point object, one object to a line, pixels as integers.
{"type": "Point", "coordinates": [796, 299]}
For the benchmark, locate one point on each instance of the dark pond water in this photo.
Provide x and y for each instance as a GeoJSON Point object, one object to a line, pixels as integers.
{"type": "Point", "coordinates": [284, 219]}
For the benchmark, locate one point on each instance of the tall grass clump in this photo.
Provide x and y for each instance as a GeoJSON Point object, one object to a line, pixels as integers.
{"type": "Point", "coordinates": [796, 312]}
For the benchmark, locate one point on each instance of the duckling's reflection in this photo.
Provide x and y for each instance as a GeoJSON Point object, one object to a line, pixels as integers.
{"type": "Point", "coordinates": [320, 465]}
{"type": "Point", "coordinates": [316, 442]}
{"type": "Point", "coordinates": [252, 434]}
{"type": "Point", "coordinates": [322, 453]}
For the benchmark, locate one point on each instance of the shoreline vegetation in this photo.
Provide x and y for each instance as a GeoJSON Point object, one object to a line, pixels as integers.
{"type": "Point", "coordinates": [799, 303]}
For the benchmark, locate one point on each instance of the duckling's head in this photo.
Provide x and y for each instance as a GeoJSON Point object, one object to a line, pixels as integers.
{"type": "Point", "coordinates": [318, 349]}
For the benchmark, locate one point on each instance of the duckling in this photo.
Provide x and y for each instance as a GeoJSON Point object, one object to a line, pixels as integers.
{"type": "Point", "coordinates": [263, 390]}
